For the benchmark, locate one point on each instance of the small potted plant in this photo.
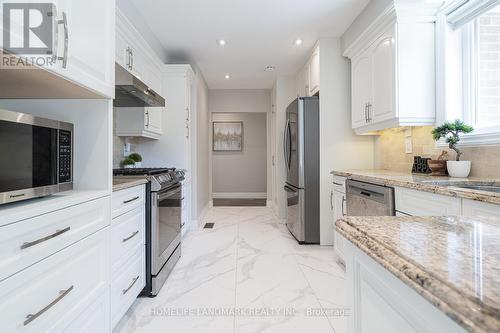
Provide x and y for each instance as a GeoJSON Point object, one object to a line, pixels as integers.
{"type": "Point", "coordinates": [451, 131]}
{"type": "Point", "coordinates": [137, 159]}
{"type": "Point", "coordinates": [128, 163]}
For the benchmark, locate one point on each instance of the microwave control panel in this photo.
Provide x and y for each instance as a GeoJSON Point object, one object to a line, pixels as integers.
{"type": "Point", "coordinates": [65, 156]}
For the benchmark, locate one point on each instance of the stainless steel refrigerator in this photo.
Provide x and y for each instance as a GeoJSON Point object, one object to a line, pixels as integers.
{"type": "Point", "coordinates": [301, 153]}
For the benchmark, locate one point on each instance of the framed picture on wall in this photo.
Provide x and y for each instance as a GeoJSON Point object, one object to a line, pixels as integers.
{"type": "Point", "coordinates": [227, 136]}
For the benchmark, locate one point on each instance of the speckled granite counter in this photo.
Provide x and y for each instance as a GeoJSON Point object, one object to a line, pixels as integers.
{"type": "Point", "coordinates": [123, 183]}
{"type": "Point", "coordinates": [425, 183]}
{"type": "Point", "coordinates": [453, 262]}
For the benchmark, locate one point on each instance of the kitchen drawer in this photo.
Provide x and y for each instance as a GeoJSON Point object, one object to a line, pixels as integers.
{"type": "Point", "coordinates": [26, 242]}
{"type": "Point", "coordinates": [127, 285]}
{"type": "Point", "coordinates": [128, 199]}
{"type": "Point", "coordinates": [127, 234]}
{"type": "Point", "coordinates": [50, 295]}
{"type": "Point", "coordinates": [477, 208]}
{"type": "Point", "coordinates": [419, 203]}
{"type": "Point", "coordinates": [339, 184]}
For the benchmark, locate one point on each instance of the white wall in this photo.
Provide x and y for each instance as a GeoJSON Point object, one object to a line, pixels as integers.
{"type": "Point", "coordinates": [242, 174]}
{"type": "Point", "coordinates": [340, 148]}
{"type": "Point", "coordinates": [248, 101]}
{"type": "Point", "coordinates": [201, 152]}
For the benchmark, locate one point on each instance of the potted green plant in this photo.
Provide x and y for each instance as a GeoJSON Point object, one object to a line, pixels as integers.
{"type": "Point", "coordinates": [137, 159]}
{"type": "Point", "coordinates": [128, 163]}
{"type": "Point", "coordinates": [451, 131]}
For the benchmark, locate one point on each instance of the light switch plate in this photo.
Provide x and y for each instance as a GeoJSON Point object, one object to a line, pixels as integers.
{"type": "Point", "coordinates": [408, 145]}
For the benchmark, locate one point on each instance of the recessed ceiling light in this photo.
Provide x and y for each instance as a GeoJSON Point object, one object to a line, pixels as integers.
{"type": "Point", "coordinates": [227, 76]}
{"type": "Point", "coordinates": [298, 42]}
{"type": "Point", "coordinates": [269, 68]}
{"type": "Point", "coordinates": [221, 42]}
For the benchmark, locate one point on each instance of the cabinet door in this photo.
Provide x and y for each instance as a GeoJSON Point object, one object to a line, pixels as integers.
{"type": "Point", "coordinates": [383, 56]}
{"type": "Point", "coordinates": [153, 119]}
{"type": "Point", "coordinates": [121, 50]}
{"type": "Point", "coordinates": [361, 89]}
{"type": "Point", "coordinates": [314, 73]}
{"type": "Point", "coordinates": [90, 43]}
{"type": "Point", "coordinates": [339, 205]}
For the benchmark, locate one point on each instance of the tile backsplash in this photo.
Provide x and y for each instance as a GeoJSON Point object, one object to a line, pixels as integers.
{"type": "Point", "coordinates": [390, 152]}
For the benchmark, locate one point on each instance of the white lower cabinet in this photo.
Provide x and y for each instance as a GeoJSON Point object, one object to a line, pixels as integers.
{"type": "Point", "coordinates": [420, 203]}
{"type": "Point", "coordinates": [338, 204]}
{"type": "Point", "coordinates": [127, 284]}
{"type": "Point", "coordinates": [94, 319]}
{"type": "Point", "coordinates": [477, 208]}
{"type": "Point", "coordinates": [381, 303]}
{"type": "Point", "coordinates": [128, 252]}
{"type": "Point", "coordinates": [50, 295]}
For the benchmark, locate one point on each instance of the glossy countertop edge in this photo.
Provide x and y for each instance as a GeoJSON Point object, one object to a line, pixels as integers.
{"type": "Point", "coordinates": [122, 184]}
{"type": "Point", "coordinates": [459, 308]}
{"type": "Point", "coordinates": [386, 177]}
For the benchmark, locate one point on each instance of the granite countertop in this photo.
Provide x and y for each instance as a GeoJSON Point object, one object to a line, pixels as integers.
{"type": "Point", "coordinates": [426, 183]}
{"type": "Point", "coordinates": [453, 262]}
{"type": "Point", "coordinates": [124, 183]}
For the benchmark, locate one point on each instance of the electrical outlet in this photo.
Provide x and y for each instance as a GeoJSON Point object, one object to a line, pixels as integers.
{"type": "Point", "coordinates": [408, 145]}
{"type": "Point", "coordinates": [126, 149]}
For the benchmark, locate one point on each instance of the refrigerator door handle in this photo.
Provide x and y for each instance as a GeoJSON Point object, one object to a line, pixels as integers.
{"type": "Point", "coordinates": [289, 146]}
{"type": "Point", "coordinates": [289, 189]}
{"type": "Point", "coordinates": [285, 144]}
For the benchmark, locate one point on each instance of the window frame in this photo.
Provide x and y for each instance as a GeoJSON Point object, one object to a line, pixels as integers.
{"type": "Point", "coordinates": [466, 54]}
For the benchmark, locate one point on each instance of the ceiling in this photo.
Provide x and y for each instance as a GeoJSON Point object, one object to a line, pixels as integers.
{"type": "Point", "coordinates": [258, 33]}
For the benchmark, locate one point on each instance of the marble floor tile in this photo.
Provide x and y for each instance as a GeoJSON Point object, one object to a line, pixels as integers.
{"type": "Point", "coordinates": [246, 275]}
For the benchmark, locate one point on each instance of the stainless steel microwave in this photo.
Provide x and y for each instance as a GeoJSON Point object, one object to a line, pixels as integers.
{"type": "Point", "coordinates": [36, 156]}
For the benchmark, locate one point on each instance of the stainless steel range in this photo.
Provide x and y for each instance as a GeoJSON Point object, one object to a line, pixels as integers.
{"type": "Point", "coordinates": [163, 222]}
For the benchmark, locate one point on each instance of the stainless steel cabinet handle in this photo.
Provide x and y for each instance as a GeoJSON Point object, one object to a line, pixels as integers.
{"type": "Point", "coordinates": [147, 117]}
{"type": "Point", "coordinates": [124, 291]}
{"type": "Point", "coordinates": [369, 112]}
{"type": "Point", "coordinates": [130, 237]}
{"type": "Point", "coordinates": [64, 22]}
{"type": "Point", "coordinates": [343, 201]}
{"type": "Point", "coordinates": [46, 238]}
{"type": "Point", "coordinates": [331, 200]}
{"type": "Point", "coordinates": [131, 58]}
{"type": "Point", "coordinates": [130, 200]}
{"type": "Point", "coordinates": [30, 317]}
{"type": "Point", "coordinates": [338, 184]}
{"type": "Point", "coordinates": [366, 112]}
{"type": "Point", "coordinates": [128, 57]}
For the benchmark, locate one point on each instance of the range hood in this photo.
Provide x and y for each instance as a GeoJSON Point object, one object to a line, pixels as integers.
{"type": "Point", "coordinates": [132, 92]}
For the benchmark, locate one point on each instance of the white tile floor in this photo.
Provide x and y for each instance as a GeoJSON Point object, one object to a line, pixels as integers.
{"type": "Point", "coordinates": [245, 275]}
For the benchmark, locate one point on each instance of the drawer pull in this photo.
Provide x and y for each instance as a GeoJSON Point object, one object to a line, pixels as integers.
{"type": "Point", "coordinates": [131, 236]}
{"type": "Point", "coordinates": [130, 200]}
{"type": "Point", "coordinates": [62, 294]}
{"type": "Point", "coordinates": [46, 238]}
{"type": "Point", "coordinates": [338, 184]}
{"type": "Point", "coordinates": [124, 291]}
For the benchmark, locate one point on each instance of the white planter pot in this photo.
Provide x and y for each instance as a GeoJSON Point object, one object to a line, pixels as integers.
{"type": "Point", "coordinates": [138, 164]}
{"type": "Point", "coordinates": [459, 169]}
{"type": "Point", "coordinates": [129, 166]}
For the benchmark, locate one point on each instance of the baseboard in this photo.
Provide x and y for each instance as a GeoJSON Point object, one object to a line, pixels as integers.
{"type": "Point", "coordinates": [243, 195]}
{"type": "Point", "coordinates": [195, 224]}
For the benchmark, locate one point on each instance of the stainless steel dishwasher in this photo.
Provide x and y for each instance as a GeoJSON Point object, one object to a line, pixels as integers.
{"type": "Point", "coordinates": [364, 199]}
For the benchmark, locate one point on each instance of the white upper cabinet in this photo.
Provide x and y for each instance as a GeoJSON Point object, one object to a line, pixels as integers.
{"type": "Point", "coordinates": [393, 70]}
{"type": "Point", "coordinates": [135, 55]}
{"type": "Point", "coordinates": [307, 79]}
{"type": "Point", "coordinates": [383, 102]}
{"type": "Point", "coordinates": [313, 76]}
{"type": "Point", "coordinates": [83, 34]}
{"type": "Point", "coordinates": [361, 89]}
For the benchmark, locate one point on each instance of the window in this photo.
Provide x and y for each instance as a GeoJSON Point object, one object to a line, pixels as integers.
{"type": "Point", "coordinates": [470, 34]}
